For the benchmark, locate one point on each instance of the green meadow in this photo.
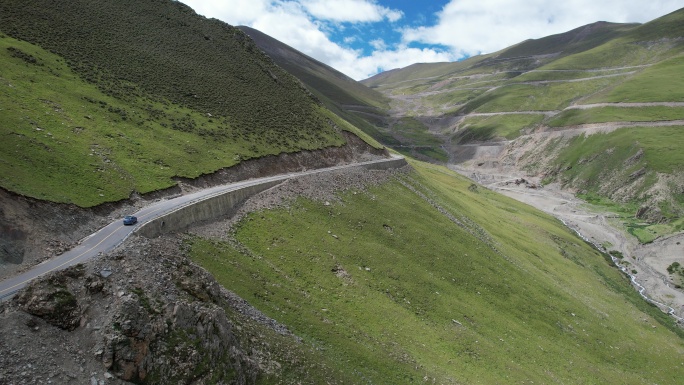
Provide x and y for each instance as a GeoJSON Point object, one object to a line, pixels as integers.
{"type": "Point", "coordinates": [534, 97]}
{"type": "Point", "coordinates": [430, 278]}
{"type": "Point", "coordinates": [481, 128]}
{"type": "Point", "coordinates": [64, 140]}
{"type": "Point", "coordinates": [662, 82]}
{"type": "Point", "coordinates": [422, 141]}
{"type": "Point", "coordinates": [616, 114]}
{"type": "Point", "coordinates": [556, 75]}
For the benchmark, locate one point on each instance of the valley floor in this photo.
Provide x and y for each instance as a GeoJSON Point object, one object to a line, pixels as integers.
{"type": "Point", "coordinates": [650, 261]}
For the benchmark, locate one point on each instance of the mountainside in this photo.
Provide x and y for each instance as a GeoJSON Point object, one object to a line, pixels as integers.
{"type": "Point", "coordinates": [135, 93]}
{"type": "Point", "coordinates": [405, 276]}
{"type": "Point", "coordinates": [358, 104]}
{"type": "Point", "coordinates": [577, 40]}
{"type": "Point", "coordinates": [352, 277]}
{"type": "Point", "coordinates": [537, 106]}
{"type": "Point", "coordinates": [110, 105]}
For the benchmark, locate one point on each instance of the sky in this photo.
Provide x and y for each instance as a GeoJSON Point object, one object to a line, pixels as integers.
{"type": "Point", "coordinates": [361, 38]}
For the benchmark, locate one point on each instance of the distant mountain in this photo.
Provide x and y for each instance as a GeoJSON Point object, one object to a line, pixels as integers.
{"type": "Point", "coordinates": [355, 276]}
{"type": "Point", "coordinates": [321, 78]}
{"type": "Point", "coordinates": [618, 79]}
{"type": "Point", "coordinates": [577, 40]}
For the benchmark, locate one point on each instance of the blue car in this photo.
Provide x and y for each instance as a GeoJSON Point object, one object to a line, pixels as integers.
{"type": "Point", "coordinates": [130, 220]}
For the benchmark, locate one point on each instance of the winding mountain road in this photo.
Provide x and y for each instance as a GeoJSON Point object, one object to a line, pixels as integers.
{"type": "Point", "coordinates": [112, 235]}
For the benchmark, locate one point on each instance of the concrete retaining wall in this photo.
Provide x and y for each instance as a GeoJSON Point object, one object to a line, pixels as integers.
{"type": "Point", "coordinates": [206, 209]}
{"type": "Point", "coordinates": [386, 165]}
{"type": "Point", "coordinates": [219, 205]}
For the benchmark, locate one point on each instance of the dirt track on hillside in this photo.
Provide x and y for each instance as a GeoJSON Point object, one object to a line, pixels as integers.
{"type": "Point", "coordinates": [624, 105]}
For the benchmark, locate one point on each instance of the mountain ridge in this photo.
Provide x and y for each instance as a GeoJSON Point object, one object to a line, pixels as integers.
{"type": "Point", "coordinates": [405, 276]}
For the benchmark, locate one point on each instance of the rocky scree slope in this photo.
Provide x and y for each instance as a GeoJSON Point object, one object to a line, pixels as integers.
{"type": "Point", "coordinates": [135, 316]}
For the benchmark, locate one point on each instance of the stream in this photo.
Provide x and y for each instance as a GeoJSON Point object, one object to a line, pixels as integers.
{"type": "Point", "coordinates": [640, 288]}
{"type": "Point", "coordinates": [589, 226]}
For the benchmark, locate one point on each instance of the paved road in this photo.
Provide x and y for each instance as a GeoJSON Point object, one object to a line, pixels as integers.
{"type": "Point", "coordinates": [112, 235]}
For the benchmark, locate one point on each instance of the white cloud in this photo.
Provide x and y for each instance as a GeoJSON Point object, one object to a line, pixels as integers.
{"type": "Point", "coordinates": [292, 22]}
{"type": "Point", "coordinates": [349, 39]}
{"type": "Point", "coordinates": [378, 44]}
{"type": "Point", "coordinates": [482, 26]}
{"type": "Point", "coordinates": [364, 67]}
{"type": "Point", "coordinates": [234, 12]}
{"type": "Point", "coordinates": [350, 10]}
{"type": "Point", "coordinates": [465, 27]}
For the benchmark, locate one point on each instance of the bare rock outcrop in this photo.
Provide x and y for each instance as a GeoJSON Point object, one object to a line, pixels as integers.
{"type": "Point", "coordinates": [144, 314]}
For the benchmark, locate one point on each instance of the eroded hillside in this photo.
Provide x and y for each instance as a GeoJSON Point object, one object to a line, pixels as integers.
{"type": "Point", "coordinates": [599, 109]}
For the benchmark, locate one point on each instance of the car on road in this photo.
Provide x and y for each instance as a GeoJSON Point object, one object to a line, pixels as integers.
{"type": "Point", "coordinates": [130, 220]}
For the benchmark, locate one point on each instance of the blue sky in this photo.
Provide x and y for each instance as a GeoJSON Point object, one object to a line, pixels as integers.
{"type": "Point", "coordinates": [363, 37]}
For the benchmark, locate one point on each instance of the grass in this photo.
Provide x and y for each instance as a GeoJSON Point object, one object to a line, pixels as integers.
{"type": "Point", "coordinates": [66, 141]}
{"type": "Point", "coordinates": [660, 145]}
{"type": "Point", "coordinates": [616, 114]}
{"type": "Point", "coordinates": [541, 75]}
{"type": "Point", "coordinates": [452, 98]}
{"type": "Point", "coordinates": [414, 137]}
{"type": "Point", "coordinates": [542, 97]}
{"type": "Point", "coordinates": [616, 53]}
{"type": "Point", "coordinates": [170, 53]}
{"type": "Point", "coordinates": [603, 163]}
{"type": "Point", "coordinates": [436, 153]}
{"type": "Point", "coordinates": [417, 132]}
{"type": "Point", "coordinates": [483, 128]}
{"type": "Point", "coordinates": [391, 290]}
{"type": "Point", "coordinates": [661, 82]}
{"type": "Point", "coordinates": [151, 92]}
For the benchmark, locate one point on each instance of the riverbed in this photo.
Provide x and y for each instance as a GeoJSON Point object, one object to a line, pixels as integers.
{"type": "Point", "coordinates": [645, 264]}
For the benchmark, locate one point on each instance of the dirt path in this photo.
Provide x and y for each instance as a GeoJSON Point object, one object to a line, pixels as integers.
{"type": "Point", "coordinates": [650, 261]}
{"type": "Point", "coordinates": [595, 128]}
{"type": "Point", "coordinates": [624, 105]}
{"type": "Point", "coordinates": [596, 69]}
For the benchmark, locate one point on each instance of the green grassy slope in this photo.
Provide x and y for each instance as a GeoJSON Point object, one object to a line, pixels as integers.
{"type": "Point", "coordinates": [66, 141]}
{"type": "Point", "coordinates": [598, 63]}
{"type": "Point", "coordinates": [486, 290]}
{"type": "Point", "coordinates": [484, 128]}
{"type": "Point", "coordinates": [354, 102]}
{"type": "Point", "coordinates": [662, 82]}
{"type": "Point", "coordinates": [170, 52]}
{"type": "Point", "coordinates": [577, 40]}
{"type": "Point", "coordinates": [603, 164]}
{"type": "Point", "coordinates": [101, 99]}
{"type": "Point", "coordinates": [414, 72]}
